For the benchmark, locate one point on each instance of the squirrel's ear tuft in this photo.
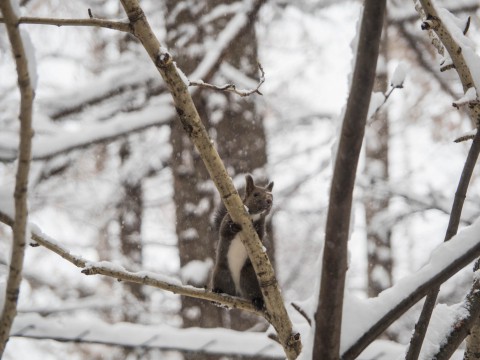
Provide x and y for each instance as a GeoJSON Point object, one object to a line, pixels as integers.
{"type": "Point", "coordinates": [250, 185]}
{"type": "Point", "coordinates": [270, 186]}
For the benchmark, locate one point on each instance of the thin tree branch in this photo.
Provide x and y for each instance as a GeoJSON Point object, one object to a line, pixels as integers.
{"type": "Point", "coordinates": [328, 317]}
{"type": "Point", "coordinates": [108, 24]}
{"type": "Point", "coordinates": [194, 128]}
{"type": "Point", "coordinates": [150, 279]}
{"type": "Point", "coordinates": [232, 87]}
{"type": "Point", "coordinates": [14, 278]}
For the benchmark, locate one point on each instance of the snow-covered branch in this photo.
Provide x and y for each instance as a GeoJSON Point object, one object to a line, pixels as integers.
{"type": "Point", "coordinates": [446, 261]}
{"type": "Point", "coordinates": [144, 277]}
{"type": "Point", "coordinates": [451, 32]}
{"type": "Point", "coordinates": [22, 52]}
{"type": "Point", "coordinates": [47, 146]}
{"type": "Point", "coordinates": [191, 340]}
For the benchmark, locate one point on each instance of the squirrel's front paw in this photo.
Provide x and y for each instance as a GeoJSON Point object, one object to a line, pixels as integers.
{"type": "Point", "coordinates": [258, 303]}
{"type": "Point", "coordinates": [235, 227]}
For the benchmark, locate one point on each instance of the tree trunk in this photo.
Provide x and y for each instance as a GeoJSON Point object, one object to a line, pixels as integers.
{"type": "Point", "coordinates": [130, 212]}
{"type": "Point", "coordinates": [376, 170]}
{"type": "Point", "coordinates": [237, 129]}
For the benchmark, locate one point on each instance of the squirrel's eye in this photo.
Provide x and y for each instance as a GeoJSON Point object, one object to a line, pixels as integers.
{"type": "Point", "coordinates": [255, 194]}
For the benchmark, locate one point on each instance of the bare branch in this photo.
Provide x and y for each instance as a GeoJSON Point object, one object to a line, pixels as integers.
{"type": "Point", "coordinates": [108, 24]}
{"type": "Point", "coordinates": [302, 312]}
{"type": "Point", "coordinates": [21, 183]}
{"type": "Point", "coordinates": [328, 317]}
{"type": "Point", "coordinates": [232, 87]}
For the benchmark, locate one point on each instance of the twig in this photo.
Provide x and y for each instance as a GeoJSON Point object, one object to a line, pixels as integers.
{"type": "Point", "coordinates": [232, 87]}
{"type": "Point", "coordinates": [108, 24]}
{"type": "Point", "coordinates": [386, 95]}
{"type": "Point", "coordinates": [303, 313]}
{"type": "Point", "coordinates": [328, 317]}
{"type": "Point", "coordinates": [105, 268]}
{"type": "Point", "coordinates": [21, 183]}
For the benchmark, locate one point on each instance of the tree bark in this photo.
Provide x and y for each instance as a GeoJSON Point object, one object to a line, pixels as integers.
{"type": "Point", "coordinates": [14, 278]}
{"type": "Point", "coordinates": [328, 316]}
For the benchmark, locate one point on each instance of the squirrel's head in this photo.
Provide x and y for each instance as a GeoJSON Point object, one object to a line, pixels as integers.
{"type": "Point", "coordinates": [258, 199]}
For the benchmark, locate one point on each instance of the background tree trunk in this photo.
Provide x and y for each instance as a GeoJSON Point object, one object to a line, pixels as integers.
{"type": "Point", "coordinates": [237, 129]}
{"type": "Point", "coordinates": [376, 202]}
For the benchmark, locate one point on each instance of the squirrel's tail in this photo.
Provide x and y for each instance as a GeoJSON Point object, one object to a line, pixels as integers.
{"type": "Point", "coordinates": [218, 217]}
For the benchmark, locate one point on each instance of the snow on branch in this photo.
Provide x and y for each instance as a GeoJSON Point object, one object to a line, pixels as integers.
{"type": "Point", "coordinates": [48, 146]}
{"type": "Point", "coordinates": [218, 341]}
{"type": "Point", "coordinates": [450, 34]}
{"type": "Point", "coordinates": [23, 54]}
{"type": "Point", "coordinates": [143, 277]}
{"type": "Point", "coordinates": [232, 87]}
{"type": "Point", "coordinates": [449, 258]}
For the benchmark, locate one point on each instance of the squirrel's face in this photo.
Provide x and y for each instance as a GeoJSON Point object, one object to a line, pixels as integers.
{"type": "Point", "coordinates": [258, 199]}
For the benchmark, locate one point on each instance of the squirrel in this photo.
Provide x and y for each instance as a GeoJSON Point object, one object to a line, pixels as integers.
{"type": "Point", "coordinates": [233, 273]}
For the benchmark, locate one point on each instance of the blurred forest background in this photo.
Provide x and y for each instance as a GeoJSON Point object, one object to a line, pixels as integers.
{"type": "Point", "coordinates": [115, 178]}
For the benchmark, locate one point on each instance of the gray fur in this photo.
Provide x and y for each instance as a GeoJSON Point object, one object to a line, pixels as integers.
{"type": "Point", "coordinates": [258, 200]}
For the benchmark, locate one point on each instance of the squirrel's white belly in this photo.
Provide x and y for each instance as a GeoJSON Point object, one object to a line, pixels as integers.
{"type": "Point", "coordinates": [237, 255]}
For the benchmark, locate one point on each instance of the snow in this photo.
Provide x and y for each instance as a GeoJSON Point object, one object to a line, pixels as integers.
{"type": "Point", "coordinates": [455, 27]}
{"type": "Point", "coordinates": [306, 62]}
{"type": "Point", "coordinates": [62, 141]}
{"type": "Point", "coordinates": [360, 314]}
{"type": "Point", "coordinates": [443, 319]}
{"type": "Point", "coordinates": [398, 77]}
{"type": "Point", "coordinates": [213, 341]}
{"type": "Point", "coordinates": [31, 59]}
{"type": "Point", "coordinates": [376, 101]}
{"type": "Point", "coordinates": [469, 96]}
{"type": "Point", "coordinates": [196, 272]}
